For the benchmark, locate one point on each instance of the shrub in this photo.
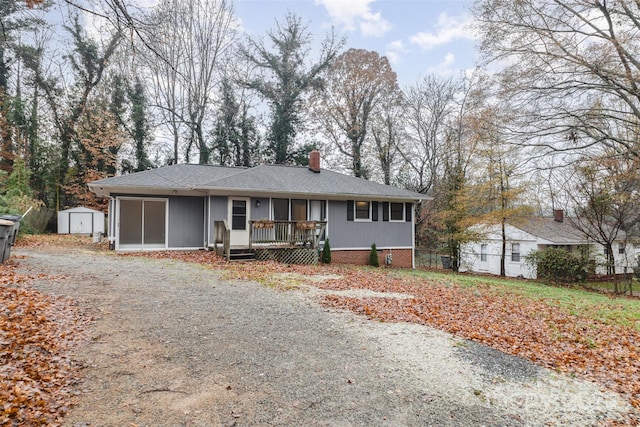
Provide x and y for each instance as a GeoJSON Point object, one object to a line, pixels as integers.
{"type": "Point", "coordinates": [326, 252]}
{"type": "Point", "coordinates": [373, 257]}
{"type": "Point", "coordinates": [558, 265]}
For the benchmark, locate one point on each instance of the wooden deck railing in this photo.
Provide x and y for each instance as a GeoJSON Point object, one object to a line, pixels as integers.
{"type": "Point", "coordinates": [286, 232]}
{"type": "Point", "coordinates": [222, 235]}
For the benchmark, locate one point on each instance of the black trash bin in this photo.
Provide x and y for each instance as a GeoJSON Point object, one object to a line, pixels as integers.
{"type": "Point", "coordinates": [6, 228]}
{"type": "Point", "coordinates": [446, 262]}
{"type": "Point", "coordinates": [16, 227]}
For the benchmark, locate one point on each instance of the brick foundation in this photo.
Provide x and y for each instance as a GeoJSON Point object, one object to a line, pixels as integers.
{"type": "Point", "coordinates": [401, 257]}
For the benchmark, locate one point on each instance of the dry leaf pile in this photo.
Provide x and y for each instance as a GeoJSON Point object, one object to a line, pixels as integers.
{"type": "Point", "coordinates": [37, 332]}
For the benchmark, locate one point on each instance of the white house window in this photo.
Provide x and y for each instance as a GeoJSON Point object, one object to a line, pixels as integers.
{"type": "Point", "coordinates": [483, 252]}
{"type": "Point", "coordinates": [606, 251]}
{"type": "Point", "coordinates": [363, 211]}
{"type": "Point", "coordinates": [515, 252]}
{"type": "Point", "coordinates": [621, 248]}
{"type": "Point", "coordinates": [396, 211]}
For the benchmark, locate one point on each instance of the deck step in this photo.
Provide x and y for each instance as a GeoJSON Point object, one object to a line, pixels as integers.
{"type": "Point", "coordinates": [241, 255]}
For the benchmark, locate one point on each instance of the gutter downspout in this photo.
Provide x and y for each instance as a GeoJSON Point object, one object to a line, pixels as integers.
{"type": "Point", "coordinates": [413, 237]}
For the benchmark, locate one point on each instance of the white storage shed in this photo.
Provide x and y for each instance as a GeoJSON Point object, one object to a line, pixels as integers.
{"type": "Point", "coordinates": [80, 220]}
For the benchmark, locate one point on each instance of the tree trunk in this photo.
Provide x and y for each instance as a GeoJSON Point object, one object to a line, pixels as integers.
{"type": "Point", "coordinates": [504, 249]}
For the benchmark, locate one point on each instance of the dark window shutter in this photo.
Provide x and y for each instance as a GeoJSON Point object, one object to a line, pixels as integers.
{"type": "Point", "coordinates": [374, 211]}
{"type": "Point", "coordinates": [350, 208]}
{"type": "Point", "coordinates": [407, 212]}
{"type": "Point", "coordinates": [385, 211]}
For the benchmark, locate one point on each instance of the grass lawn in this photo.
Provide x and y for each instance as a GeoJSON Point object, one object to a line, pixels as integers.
{"type": "Point", "coordinates": [622, 311]}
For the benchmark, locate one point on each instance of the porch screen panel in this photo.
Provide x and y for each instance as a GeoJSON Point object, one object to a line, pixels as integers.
{"type": "Point", "coordinates": [154, 222]}
{"type": "Point", "coordinates": [280, 209]}
{"type": "Point", "coordinates": [131, 227]}
{"type": "Point", "coordinates": [298, 210]}
{"type": "Point", "coordinates": [318, 210]}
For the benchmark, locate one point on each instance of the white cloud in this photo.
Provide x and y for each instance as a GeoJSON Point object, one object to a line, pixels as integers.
{"type": "Point", "coordinates": [356, 15]}
{"type": "Point", "coordinates": [445, 67]}
{"type": "Point", "coordinates": [394, 51]}
{"type": "Point", "coordinates": [447, 29]}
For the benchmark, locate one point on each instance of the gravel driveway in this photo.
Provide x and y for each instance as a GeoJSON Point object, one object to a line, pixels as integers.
{"type": "Point", "coordinates": [175, 345]}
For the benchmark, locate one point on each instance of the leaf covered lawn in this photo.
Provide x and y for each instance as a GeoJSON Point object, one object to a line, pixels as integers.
{"type": "Point", "coordinates": [605, 351]}
{"type": "Point", "coordinates": [535, 329]}
{"type": "Point", "coordinates": [37, 332]}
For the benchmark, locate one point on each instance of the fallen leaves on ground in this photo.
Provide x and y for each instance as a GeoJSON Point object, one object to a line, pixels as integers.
{"type": "Point", "coordinates": [59, 240]}
{"type": "Point", "coordinates": [37, 332]}
{"type": "Point", "coordinates": [520, 326]}
{"type": "Point", "coordinates": [514, 324]}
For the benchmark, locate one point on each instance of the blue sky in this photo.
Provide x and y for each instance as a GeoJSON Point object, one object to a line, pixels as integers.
{"type": "Point", "coordinates": [419, 37]}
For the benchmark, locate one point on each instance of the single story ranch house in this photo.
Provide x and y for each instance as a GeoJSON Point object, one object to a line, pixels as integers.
{"type": "Point", "coordinates": [266, 207]}
{"type": "Point", "coordinates": [528, 235]}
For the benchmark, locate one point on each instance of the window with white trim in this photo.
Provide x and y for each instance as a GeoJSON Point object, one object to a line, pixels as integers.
{"type": "Point", "coordinates": [621, 248]}
{"type": "Point", "coordinates": [396, 211]}
{"type": "Point", "coordinates": [362, 211]}
{"type": "Point", "coordinates": [515, 252]}
{"type": "Point", "coordinates": [483, 252]}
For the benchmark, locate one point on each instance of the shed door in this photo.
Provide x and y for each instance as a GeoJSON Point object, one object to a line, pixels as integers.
{"type": "Point", "coordinates": [239, 220]}
{"type": "Point", "coordinates": [80, 222]}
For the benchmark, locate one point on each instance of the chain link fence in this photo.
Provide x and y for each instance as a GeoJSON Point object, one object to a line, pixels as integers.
{"type": "Point", "coordinates": [429, 258]}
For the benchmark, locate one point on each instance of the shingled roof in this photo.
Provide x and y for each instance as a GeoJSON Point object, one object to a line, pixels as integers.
{"type": "Point", "coordinates": [268, 179]}
{"type": "Point", "coordinates": [556, 232]}
{"type": "Point", "coordinates": [551, 230]}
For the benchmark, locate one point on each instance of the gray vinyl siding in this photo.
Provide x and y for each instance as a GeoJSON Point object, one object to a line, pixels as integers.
{"type": "Point", "coordinates": [345, 234]}
{"type": "Point", "coordinates": [218, 207]}
{"type": "Point", "coordinates": [186, 222]}
{"type": "Point", "coordinates": [262, 211]}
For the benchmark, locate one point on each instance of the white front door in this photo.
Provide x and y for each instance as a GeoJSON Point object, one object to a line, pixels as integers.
{"type": "Point", "coordinates": [239, 214]}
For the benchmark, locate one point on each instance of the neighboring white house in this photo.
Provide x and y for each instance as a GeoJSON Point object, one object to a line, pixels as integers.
{"type": "Point", "coordinates": [537, 233]}
{"type": "Point", "coordinates": [80, 220]}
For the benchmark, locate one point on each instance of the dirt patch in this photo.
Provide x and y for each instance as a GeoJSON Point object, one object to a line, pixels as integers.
{"type": "Point", "coordinates": [174, 344]}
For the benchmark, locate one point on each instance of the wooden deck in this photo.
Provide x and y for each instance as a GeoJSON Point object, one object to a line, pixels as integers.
{"type": "Point", "coordinates": [293, 242]}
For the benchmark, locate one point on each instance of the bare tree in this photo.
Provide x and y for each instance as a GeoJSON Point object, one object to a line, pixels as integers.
{"type": "Point", "coordinates": [607, 200]}
{"type": "Point", "coordinates": [188, 48]}
{"type": "Point", "coordinates": [357, 84]}
{"type": "Point", "coordinates": [387, 132]}
{"type": "Point", "coordinates": [571, 70]}
{"type": "Point", "coordinates": [70, 105]}
{"type": "Point", "coordinates": [431, 110]}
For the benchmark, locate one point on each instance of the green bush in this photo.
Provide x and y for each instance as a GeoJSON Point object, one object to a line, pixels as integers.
{"type": "Point", "coordinates": [558, 265]}
{"type": "Point", "coordinates": [326, 252]}
{"type": "Point", "coordinates": [373, 257]}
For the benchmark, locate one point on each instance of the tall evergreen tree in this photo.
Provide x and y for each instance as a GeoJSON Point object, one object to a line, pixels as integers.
{"type": "Point", "coordinates": [235, 135]}
{"type": "Point", "coordinates": [286, 78]}
{"type": "Point", "coordinates": [140, 126]}
{"type": "Point", "coordinates": [13, 20]}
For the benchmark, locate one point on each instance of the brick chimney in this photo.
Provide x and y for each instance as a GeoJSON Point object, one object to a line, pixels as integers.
{"type": "Point", "coordinates": [558, 215]}
{"type": "Point", "coordinates": [314, 161]}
